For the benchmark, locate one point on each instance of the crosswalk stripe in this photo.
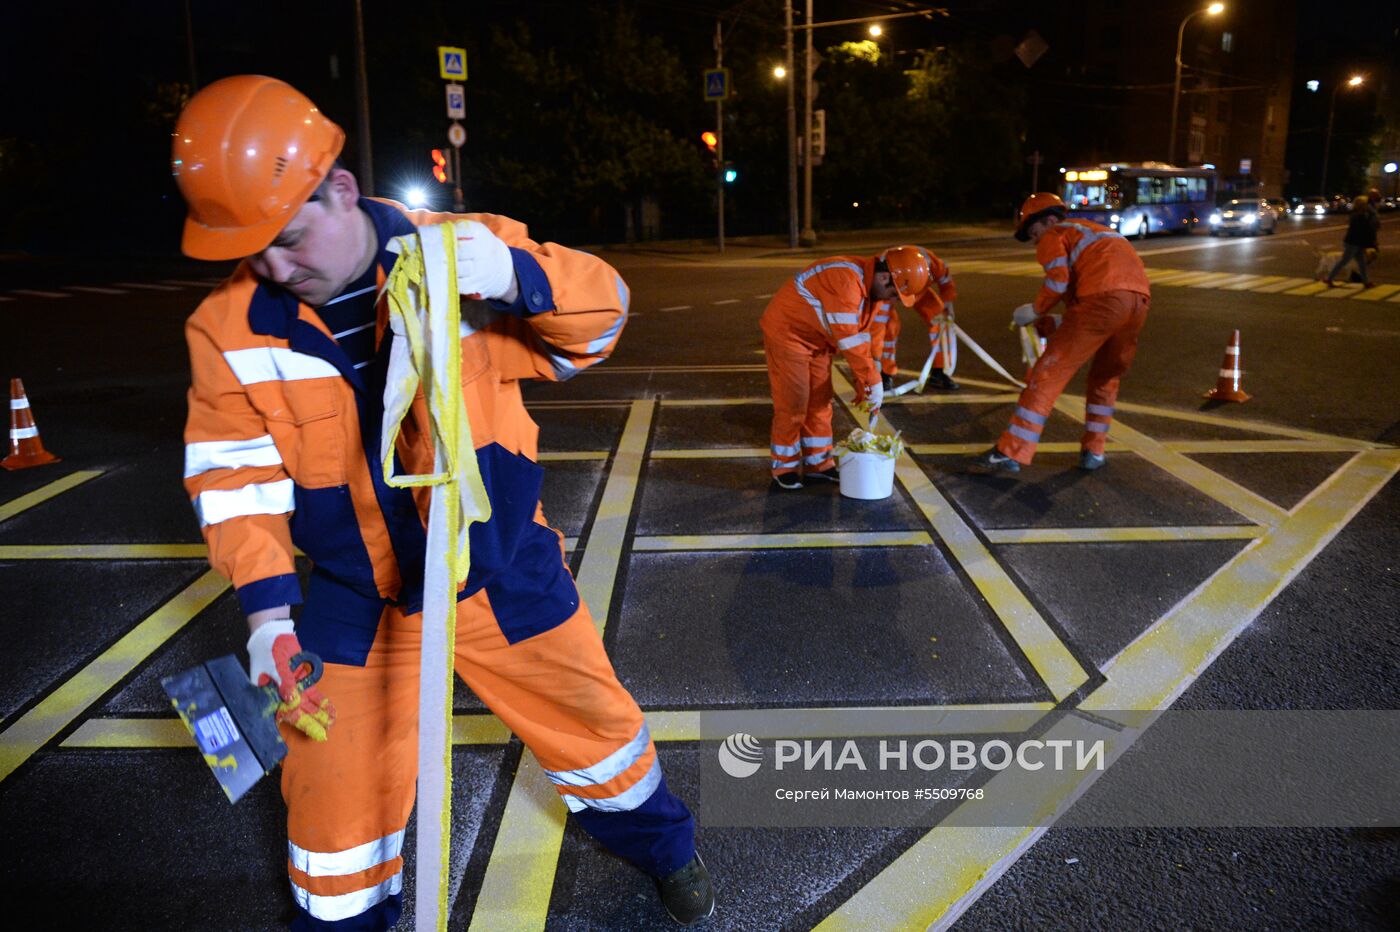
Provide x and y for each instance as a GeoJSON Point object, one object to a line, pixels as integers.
{"type": "Point", "coordinates": [1252, 281]}
{"type": "Point", "coordinates": [1341, 291]}
{"type": "Point", "coordinates": [1190, 278]}
{"type": "Point", "coordinates": [34, 293]}
{"type": "Point", "coordinates": [1308, 289]}
{"type": "Point", "coordinates": [1378, 293]}
{"type": "Point", "coordinates": [95, 289]}
{"type": "Point", "coordinates": [1285, 285]}
{"type": "Point", "coordinates": [1232, 281]}
{"type": "Point", "coordinates": [1170, 275]}
{"type": "Point", "coordinates": [147, 287]}
{"type": "Point", "coordinates": [1213, 280]}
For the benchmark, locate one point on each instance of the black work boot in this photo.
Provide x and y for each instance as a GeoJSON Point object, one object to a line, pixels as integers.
{"type": "Point", "coordinates": [992, 461]}
{"type": "Point", "coordinates": [940, 380]}
{"type": "Point", "coordinates": [886, 381]}
{"type": "Point", "coordinates": [1091, 461]}
{"type": "Point", "coordinates": [788, 481]}
{"type": "Point", "coordinates": [687, 893]}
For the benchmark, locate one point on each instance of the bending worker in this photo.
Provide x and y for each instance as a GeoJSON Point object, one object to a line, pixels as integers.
{"type": "Point", "coordinates": [828, 308]}
{"type": "Point", "coordinates": [289, 357]}
{"type": "Point", "coordinates": [936, 310]}
{"type": "Point", "coordinates": [1104, 287]}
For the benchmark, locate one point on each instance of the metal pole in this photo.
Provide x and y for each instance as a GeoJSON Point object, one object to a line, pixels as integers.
{"type": "Point", "coordinates": [791, 129]}
{"type": "Point", "coordinates": [809, 235]}
{"type": "Point", "coordinates": [719, 136]}
{"type": "Point", "coordinates": [459, 204]}
{"type": "Point", "coordinates": [1327, 140]}
{"type": "Point", "coordinates": [1176, 89]}
{"type": "Point", "coordinates": [366, 173]}
{"type": "Point", "coordinates": [189, 46]}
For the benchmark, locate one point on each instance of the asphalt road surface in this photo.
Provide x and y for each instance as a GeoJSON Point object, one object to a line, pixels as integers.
{"type": "Point", "coordinates": [1235, 557]}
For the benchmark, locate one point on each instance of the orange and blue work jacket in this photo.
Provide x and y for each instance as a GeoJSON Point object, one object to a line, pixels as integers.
{"type": "Point", "coordinates": [1083, 258]}
{"type": "Point", "coordinates": [282, 443]}
{"type": "Point", "coordinates": [826, 307]}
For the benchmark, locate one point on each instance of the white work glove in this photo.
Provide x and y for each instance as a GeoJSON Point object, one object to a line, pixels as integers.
{"type": "Point", "coordinates": [271, 649]}
{"type": "Point", "coordinates": [1024, 315]}
{"type": "Point", "coordinates": [948, 310]}
{"type": "Point", "coordinates": [875, 396]}
{"type": "Point", "coordinates": [484, 267]}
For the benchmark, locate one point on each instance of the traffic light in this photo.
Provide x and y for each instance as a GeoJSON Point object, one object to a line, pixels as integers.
{"type": "Point", "coordinates": [711, 142]}
{"type": "Point", "coordinates": [440, 170]}
{"type": "Point", "coordinates": [731, 174]}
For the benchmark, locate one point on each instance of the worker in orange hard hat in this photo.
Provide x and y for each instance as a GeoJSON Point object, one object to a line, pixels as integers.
{"type": "Point", "coordinates": [289, 360]}
{"type": "Point", "coordinates": [934, 305]}
{"type": "Point", "coordinates": [828, 308]}
{"type": "Point", "coordinates": [1099, 276]}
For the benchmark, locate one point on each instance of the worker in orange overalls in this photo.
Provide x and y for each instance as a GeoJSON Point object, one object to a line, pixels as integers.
{"type": "Point", "coordinates": [289, 358]}
{"type": "Point", "coordinates": [828, 308]}
{"type": "Point", "coordinates": [1104, 287]}
{"type": "Point", "coordinates": [935, 306]}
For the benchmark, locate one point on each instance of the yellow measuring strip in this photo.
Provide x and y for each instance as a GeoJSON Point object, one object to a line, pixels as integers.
{"type": "Point", "coordinates": [44, 493]}
{"type": "Point", "coordinates": [104, 552]}
{"type": "Point", "coordinates": [38, 726]}
{"type": "Point", "coordinates": [597, 574]}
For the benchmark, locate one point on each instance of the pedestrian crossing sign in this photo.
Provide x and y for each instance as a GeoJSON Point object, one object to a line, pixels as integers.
{"type": "Point", "coordinates": [717, 84]}
{"type": "Point", "coordinates": [452, 63]}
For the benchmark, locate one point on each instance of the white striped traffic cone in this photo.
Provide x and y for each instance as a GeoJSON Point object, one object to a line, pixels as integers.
{"type": "Point", "coordinates": [26, 449]}
{"type": "Point", "coordinates": [1227, 386]}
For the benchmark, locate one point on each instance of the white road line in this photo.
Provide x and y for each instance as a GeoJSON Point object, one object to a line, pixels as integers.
{"type": "Point", "coordinates": [95, 289]}
{"type": "Point", "coordinates": [726, 301]}
{"type": "Point", "coordinates": [40, 294]}
{"type": "Point", "coordinates": [678, 307]}
{"type": "Point", "coordinates": [763, 297]}
{"type": "Point", "coordinates": [147, 287]}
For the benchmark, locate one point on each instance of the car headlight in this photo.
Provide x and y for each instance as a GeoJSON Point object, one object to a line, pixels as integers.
{"type": "Point", "coordinates": [1113, 219]}
{"type": "Point", "coordinates": [1214, 218]}
{"type": "Point", "coordinates": [1319, 209]}
{"type": "Point", "coordinates": [1251, 218]}
{"type": "Point", "coordinates": [1298, 209]}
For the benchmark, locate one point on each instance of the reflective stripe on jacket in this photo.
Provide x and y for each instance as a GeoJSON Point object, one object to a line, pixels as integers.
{"type": "Point", "coordinates": [282, 440]}
{"type": "Point", "coordinates": [826, 306]}
{"type": "Point", "coordinates": [1081, 257]}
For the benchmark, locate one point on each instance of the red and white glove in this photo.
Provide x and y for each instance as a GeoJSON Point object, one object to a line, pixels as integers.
{"type": "Point", "coordinates": [270, 651]}
{"type": "Point", "coordinates": [484, 266]}
{"type": "Point", "coordinates": [874, 397]}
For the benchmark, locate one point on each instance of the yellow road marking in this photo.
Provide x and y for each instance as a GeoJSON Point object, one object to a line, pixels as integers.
{"type": "Point", "coordinates": [844, 722]}
{"type": "Point", "coordinates": [519, 875]}
{"type": "Point", "coordinates": [1250, 282]}
{"type": "Point", "coordinates": [597, 574]}
{"type": "Point", "coordinates": [1377, 293]}
{"type": "Point", "coordinates": [718, 453]}
{"type": "Point", "coordinates": [1214, 280]}
{"type": "Point", "coordinates": [954, 398]}
{"type": "Point", "coordinates": [1186, 278]}
{"type": "Point", "coordinates": [932, 883]}
{"type": "Point", "coordinates": [44, 493]}
{"type": "Point", "coordinates": [1282, 285]}
{"type": "Point", "coordinates": [1095, 535]}
{"type": "Point", "coordinates": [1341, 291]}
{"type": "Point", "coordinates": [1210, 483]}
{"type": "Point", "coordinates": [1310, 288]}
{"type": "Point", "coordinates": [1257, 427]}
{"type": "Point", "coordinates": [37, 727]}
{"type": "Point", "coordinates": [563, 457]}
{"type": "Point", "coordinates": [715, 402]}
{"type": "Point", "coordinates": [950, 449]}
{"type": "Point", "coordinates": [104, 552]}
{"type": "Point", "coordinates": [1167, 276]}
{"type": "Point", "coordinates": [1264, 446]}
{"type": "Point", "coordinates": [1052, 660]}
{"type": "Point", "coordinates": [781, 541]}
{"type": "Point", "coordinates": [467, 728]}
{"type": "Point", "coordinates": [1233, 280]}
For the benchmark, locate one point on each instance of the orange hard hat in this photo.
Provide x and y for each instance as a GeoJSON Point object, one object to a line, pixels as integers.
{"type": "Point", "coordinates": [1035, 207]}
{"type": "Point", "coordinates": [249, 151]}
{"type": "Point", "coordinates": [909, 271]}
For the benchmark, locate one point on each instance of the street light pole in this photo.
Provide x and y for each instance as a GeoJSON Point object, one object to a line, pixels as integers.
{"type": "Point", "coordinates": [1327, 140]}
{"type": "Point", "coordinates": [719, 135]}
{"type": "Point", "coordinates": [1211, 10]}
{"type": "Point", "coordinates": [809, 235]}
{"type": "Point", "coordinates": [791, 130]}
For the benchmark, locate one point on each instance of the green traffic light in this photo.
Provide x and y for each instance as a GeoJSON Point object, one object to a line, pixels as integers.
{"type": "Point", "coordinates": [730, 176]}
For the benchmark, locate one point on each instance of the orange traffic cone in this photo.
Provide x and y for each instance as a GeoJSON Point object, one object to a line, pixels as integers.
{"type": "Point", "coordinates": [26, 449]}
{"type": "Point", "coordinates": [1227, 386]}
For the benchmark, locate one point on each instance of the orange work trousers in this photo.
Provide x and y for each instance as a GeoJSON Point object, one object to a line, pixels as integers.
{"type": "Point", "coordinates": [1103, 327]}
{"type": "Point", "coordinates": [800, 377]}
{"type": "Point", "coordinates": [348, 799]}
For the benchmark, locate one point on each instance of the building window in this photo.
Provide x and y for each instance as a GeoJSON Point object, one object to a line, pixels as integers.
{"type": "Point", "coordinates": [1227, 41]}
{"type": "Point", "coordinates": [1219, 144]}
{"type": "Point", "coordinates": [1196, 141]}
{"type": "Point", "coordinates": [1222, 111]}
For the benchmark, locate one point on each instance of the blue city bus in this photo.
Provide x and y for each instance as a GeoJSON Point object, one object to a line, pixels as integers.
{"type": "Point", "coordinates": [1140, 198]}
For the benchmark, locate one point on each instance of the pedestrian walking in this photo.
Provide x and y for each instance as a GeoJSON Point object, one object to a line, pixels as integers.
{"type": "Point", "coordinates": [289, 357]}
{"type": "Point", "coordinates": [935, 306]}
{"type": "Point", "coordinates": [1360, 236]}
{"type": "Point", "coordinates": [829, 308]}
{"type": "Point", "coordinates": [1099, 276]}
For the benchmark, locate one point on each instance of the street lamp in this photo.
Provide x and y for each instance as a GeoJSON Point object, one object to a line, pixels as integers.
{"type": "Point", "coordinates": [1389, 169]}
{"type": "Point", "coordinates": [1212, 10]}
{"type": "Point", "coordinates": [779, 72]}
{"type": "Point", "coordinates": [1354, 81]}
{"type": "Point", "coordinates": [876, 30]}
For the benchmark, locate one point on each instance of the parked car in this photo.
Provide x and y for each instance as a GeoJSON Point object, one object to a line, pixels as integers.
{"type": "Point", "coordinates": [1311, 207]}
{"type": "Point", "coordinates": [1390, 203]}
{"type": "Point", "coordinates": [1249, 215]}
{"type": "Point", "coordinates": [1339, 204]}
